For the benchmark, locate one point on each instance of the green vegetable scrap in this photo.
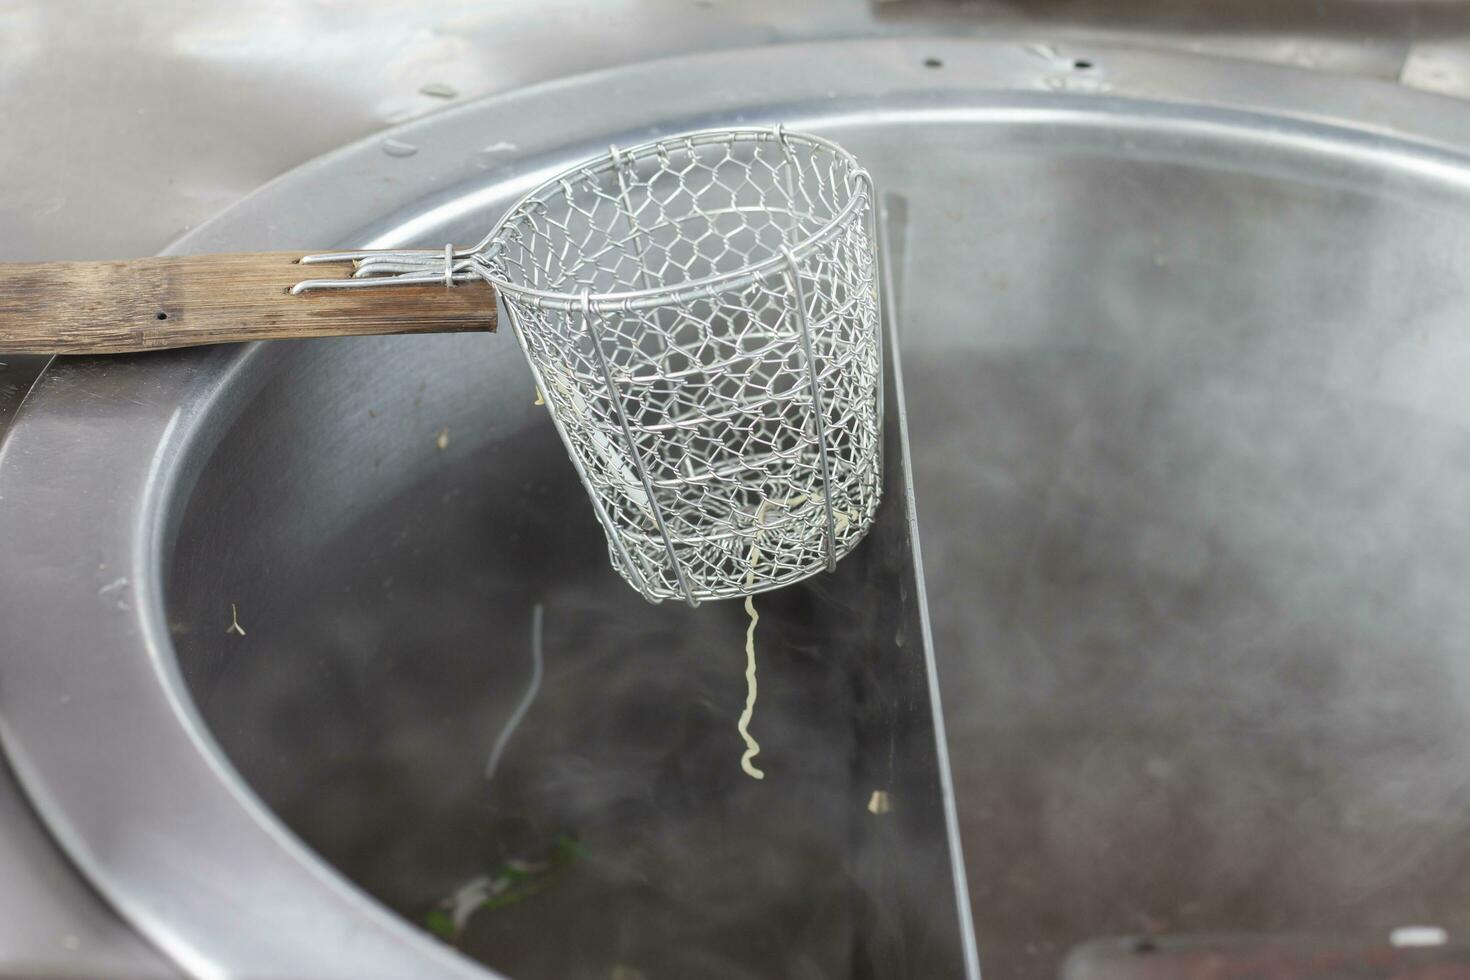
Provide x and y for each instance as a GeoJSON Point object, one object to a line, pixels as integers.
{"type": "Point", "coordinates": [440, 924]}
{"type": "Point", "coordinates": [513, 882]}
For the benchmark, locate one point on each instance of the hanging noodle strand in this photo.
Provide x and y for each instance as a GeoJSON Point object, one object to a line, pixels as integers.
{"type": "Point", "coordinates": [752, 747]}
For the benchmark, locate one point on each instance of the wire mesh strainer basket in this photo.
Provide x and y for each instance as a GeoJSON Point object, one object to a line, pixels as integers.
{"type": "Point", "coordinates": [701, 315]}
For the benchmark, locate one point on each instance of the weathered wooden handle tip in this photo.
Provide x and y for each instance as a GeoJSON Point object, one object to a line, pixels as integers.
{"type": "Point", "coordinates": [186, 301]}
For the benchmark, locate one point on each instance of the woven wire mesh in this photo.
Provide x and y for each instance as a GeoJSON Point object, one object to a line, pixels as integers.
{"type": "Point", "coordinates": [701, 314]}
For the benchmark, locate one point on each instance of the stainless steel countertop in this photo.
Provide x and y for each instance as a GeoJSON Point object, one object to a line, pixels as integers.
{"type": "Point", "coordinates": [129, 123]}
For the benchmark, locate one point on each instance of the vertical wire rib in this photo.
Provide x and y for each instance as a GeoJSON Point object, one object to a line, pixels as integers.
{"type": "Point", "coordinates": [871, 223]}
{"type": "Point", "coordinates": [635, 574]}
{"type": "Point", "coordinates": [589, 321]}
{"type": "Point", "coordinates": [818, 414]}
{"type": "Point", "coordinates": [625, 202]}
{"type": "Point", "coordinates": [789, 170]}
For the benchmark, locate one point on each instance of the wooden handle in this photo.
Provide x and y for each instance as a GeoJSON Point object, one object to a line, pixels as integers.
{"type": "Point", "coordinates": [149, 304]}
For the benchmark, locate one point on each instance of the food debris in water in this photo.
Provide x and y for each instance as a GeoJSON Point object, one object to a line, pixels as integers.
{"type": "Point", "coordinates": [538, 613]}
{"type": "Point", "coordinates": [879, 802]}
{"type": "Point", "coordinates": [515, 880]}
{"type": "Point", "coordinates": [235, 626]}
{"type": "Point", "coordinates": [1408, 936]}
{"type": "Point", "coordinates": [442, 440]}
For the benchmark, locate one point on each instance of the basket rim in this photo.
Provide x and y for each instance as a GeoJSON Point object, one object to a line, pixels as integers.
{"type": "Point", "coordinates": [706, 287]}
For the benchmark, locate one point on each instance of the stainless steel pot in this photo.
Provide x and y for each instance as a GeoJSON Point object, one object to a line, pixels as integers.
{"type": "Point", "coordinates": [1183, 341]}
